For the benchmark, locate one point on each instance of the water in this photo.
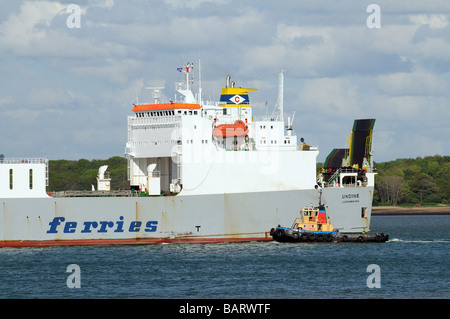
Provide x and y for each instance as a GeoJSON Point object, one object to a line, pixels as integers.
{"type": "Point", "coordinates": [413, 264]}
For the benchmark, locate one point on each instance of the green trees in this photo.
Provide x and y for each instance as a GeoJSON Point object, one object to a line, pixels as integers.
{"type": "Point", "coordinates": [411, 181]}
{"type": "Point", "coordinates": [82, 174]}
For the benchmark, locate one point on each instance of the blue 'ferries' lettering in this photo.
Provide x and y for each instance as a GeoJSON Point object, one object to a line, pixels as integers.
{"type": "Point", "coordinates": [54, 223]}
{"type": "Point", "coordinates": [101, 226]}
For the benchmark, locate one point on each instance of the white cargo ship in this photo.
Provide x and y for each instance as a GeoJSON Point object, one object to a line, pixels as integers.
{"type": "Point", "coordinates": [199, 172]}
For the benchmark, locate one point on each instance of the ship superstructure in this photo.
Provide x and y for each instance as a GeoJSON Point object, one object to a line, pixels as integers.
{"type": "Point", "coordinates": [199, 171]}
{"type": "Point", "coordinates": [197, 147]}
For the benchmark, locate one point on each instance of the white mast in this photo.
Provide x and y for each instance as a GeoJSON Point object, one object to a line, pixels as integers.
{"type": "Point", "coordinates": [280, 95]}
{"type": "Point", "coordinates": [187, 93]}
{"type": "Point", "coordinates": [199, 82]}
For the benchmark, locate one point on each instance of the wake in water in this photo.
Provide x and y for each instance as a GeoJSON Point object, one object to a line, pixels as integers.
{"type": "Point", "coordinates": [396, 240]}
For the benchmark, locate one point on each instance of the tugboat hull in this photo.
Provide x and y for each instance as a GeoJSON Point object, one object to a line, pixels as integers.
{"type": "Point", "coordinates": [284, 234]}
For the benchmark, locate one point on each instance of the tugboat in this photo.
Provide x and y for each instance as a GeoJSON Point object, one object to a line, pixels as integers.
{"type": "Point", "coordinates": [315, 226]}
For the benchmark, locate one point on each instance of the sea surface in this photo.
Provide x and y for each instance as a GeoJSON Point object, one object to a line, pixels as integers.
{"type": "Point", "coordinates": [414, 263]}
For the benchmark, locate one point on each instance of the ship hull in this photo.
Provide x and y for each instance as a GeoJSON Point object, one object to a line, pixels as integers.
{"type": "Point", "coordinates": [234, 217]}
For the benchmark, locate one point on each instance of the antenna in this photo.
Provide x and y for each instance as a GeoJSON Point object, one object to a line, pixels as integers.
{"type": "Point", "coordinates": [156, 93]}
{"type": "Point", "coordinates": [280, 95]}
{"type": "Point", "coordinates": [188, 69]}
{"type": "Point", "coordinates": [290, 123]}
{"type": "Point", "coordinates": [199, 82]}
{"type": "Point", "coordinates": [186, 92]}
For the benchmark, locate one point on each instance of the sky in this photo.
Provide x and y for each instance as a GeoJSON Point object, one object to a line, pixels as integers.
{"type": "Point", "coordinates": [68, 85]}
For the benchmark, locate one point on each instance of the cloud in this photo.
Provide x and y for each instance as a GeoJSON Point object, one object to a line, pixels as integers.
{"type": "Point", "coordinates": [435, 21]}
{"type": "Point", "coordinates": [418, 82]}
{"type": "Point", "coordinates": [40, 29]}
{"type": "Point", "coordinates": [22, 32]}
{"type": "Point", "coordinates": [192, 4]}
{"type": "Point", "coordinates": [6, 100]}
{"type": "Point", "coordinates": [107, 4]}
{"type": "Point", "coordinates": [332, 96]}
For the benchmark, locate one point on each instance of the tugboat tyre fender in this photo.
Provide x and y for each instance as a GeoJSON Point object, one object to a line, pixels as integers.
{"type": "Point", "coordinates": [280, 232]}
{"type": "Point", "coordinates": [328, 237]}
{"type": "Point", "coordinates": [295, 235]}
{"type": "Point", "coordinates": [304, 237]}
{"type": "Point", "coordinates": [312, 237]}
{"type": "Point", "coordinates": [360, 239]}
{"type": "Point", "coordinates": [345, 238]}
{"type": "Point", "coordinates": [319, 237]}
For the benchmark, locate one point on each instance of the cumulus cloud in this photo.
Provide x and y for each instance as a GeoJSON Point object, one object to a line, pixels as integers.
{"type": "Point", "coordinates": [192, 4]}
{"type": "Point", "coordinates": [435, 21]}
{"type": "Point", "coordinates": [22, 32]}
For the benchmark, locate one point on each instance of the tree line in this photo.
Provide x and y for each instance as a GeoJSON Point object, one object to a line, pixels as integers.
{"type": "Point", "coordinates": [413, 181]}
{"type": "Point", "coordinates": [402, 181]}
{"type": "Point", "coordinates": [82, 174]}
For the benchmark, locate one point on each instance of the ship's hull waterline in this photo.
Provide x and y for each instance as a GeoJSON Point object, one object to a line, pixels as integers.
{"type": "Point", "coordinates": [217, 218]}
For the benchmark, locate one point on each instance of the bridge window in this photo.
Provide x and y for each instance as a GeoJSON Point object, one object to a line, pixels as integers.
{"type": "Point", "coordinates": [31, 178]}
{"type": "Point", "coordinates": [11, 179]}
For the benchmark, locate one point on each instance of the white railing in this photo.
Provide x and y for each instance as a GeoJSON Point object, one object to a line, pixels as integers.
{"type": "Point", "coordinates": [153, 120]}
{"type": "Point", "coordinates": [33, 160]}
{"type": "Point", "coordinates": [23, 161]}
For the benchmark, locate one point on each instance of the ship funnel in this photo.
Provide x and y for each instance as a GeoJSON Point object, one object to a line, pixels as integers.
{"type": "Point", "coordinates": [101, 171]}
{"type": "Point", "coordinates": [228, 81]}
{"type": "Point", "coordinates": [230, 96]}
{"type": "Point", "coordinates": [103, 179]}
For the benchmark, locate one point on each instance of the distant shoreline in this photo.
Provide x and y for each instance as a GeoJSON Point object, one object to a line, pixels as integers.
{"type": "Point", "coordinates": [394, 210]}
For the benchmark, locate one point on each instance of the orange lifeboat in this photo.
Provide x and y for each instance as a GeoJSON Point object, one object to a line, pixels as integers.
{"type": "Point", "coordinates": [231, 130]}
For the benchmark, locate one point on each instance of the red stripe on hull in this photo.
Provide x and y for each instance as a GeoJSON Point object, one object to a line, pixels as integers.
{"type": "Point", "coordinates": [131, 241]}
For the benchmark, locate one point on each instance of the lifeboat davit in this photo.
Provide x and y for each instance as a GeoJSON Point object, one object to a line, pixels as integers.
{"type": "Point", "coordinates": [231, 130]}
